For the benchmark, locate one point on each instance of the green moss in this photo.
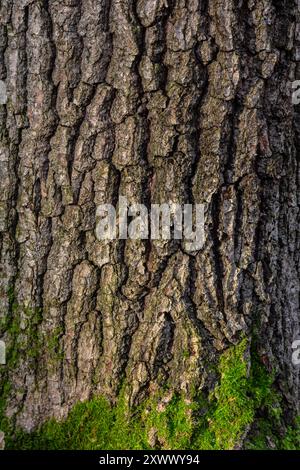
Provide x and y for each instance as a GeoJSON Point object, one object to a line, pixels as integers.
{"type": "Point", "coordinates": [96, 425]}
{"type": "Point", "coordinates": [291, 440]}
{"type": "Point", "coordinates": [53, 345]}
{"type": "Point", "coordinates": [172, 423]}
{"type": "Point", "coordinates": [11, 327]}
{"type": "Point", "coordinates": [86, 427]}
{"type": "Point", "coordinates": [232, 408]}
{"type": "Point", "coordinates": [19, 343]}
{"type": "Point", "coordinates": [186, 353]}
{"type": "Point", "coordinates": [167, 421]}
{"type": "Point", "coordinates": [263, 432]}
{"type": "Point", "coordinates": [244, 387]}
{"type": "Point", "coordinates": [269, 434]}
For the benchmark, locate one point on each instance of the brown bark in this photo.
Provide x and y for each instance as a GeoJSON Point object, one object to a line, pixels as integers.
{"type": "Point", "coordinates": [155, 100]}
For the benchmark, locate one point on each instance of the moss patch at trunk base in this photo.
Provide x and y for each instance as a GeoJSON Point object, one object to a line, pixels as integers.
{"type": "Point", "coordinates": [170, 421]}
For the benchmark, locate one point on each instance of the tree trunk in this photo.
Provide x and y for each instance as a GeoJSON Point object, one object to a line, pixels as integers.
{"type": "Point", "coordinates": [155, 100]}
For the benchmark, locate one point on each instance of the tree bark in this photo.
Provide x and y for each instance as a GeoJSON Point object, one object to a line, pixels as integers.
{"type": "Point", "coordinates": [156, 100]}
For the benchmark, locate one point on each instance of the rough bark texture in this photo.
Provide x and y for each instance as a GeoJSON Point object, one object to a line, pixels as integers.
{"type": "Point", "coordinates": [155, 100]}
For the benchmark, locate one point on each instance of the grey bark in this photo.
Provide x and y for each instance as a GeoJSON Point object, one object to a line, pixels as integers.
{"type": "Point", "coordinates": [155, 100]}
